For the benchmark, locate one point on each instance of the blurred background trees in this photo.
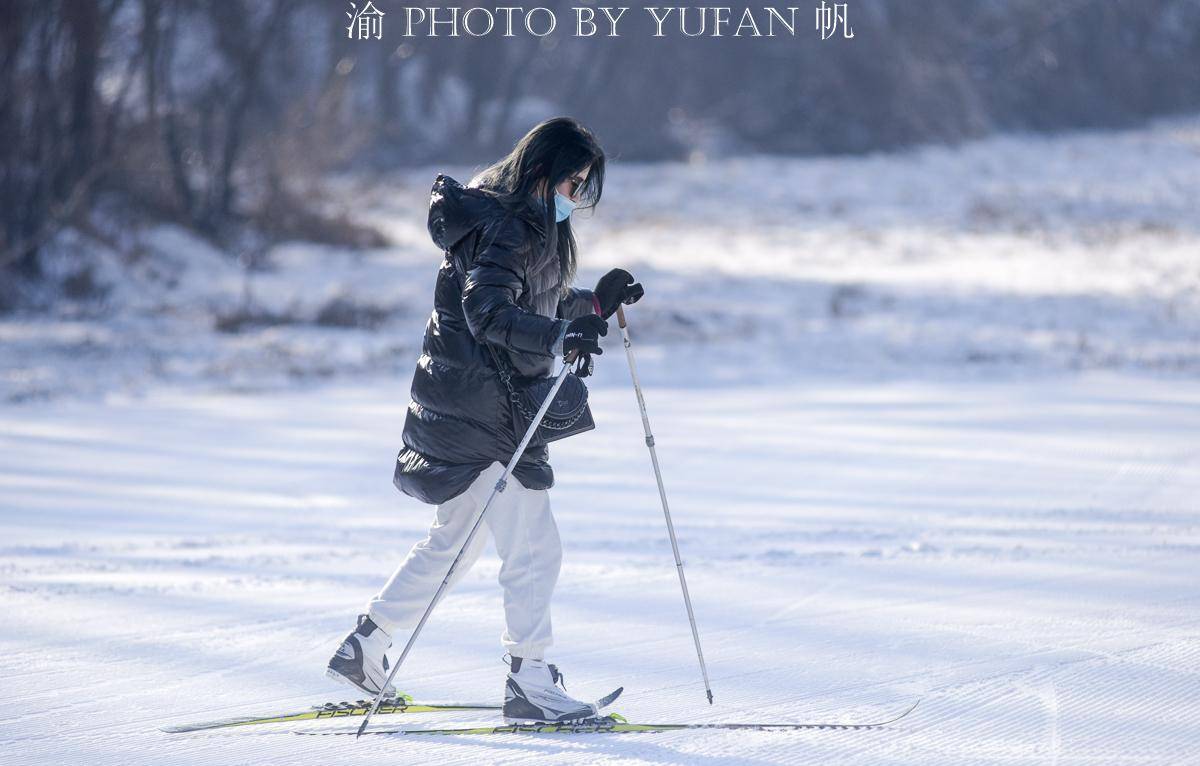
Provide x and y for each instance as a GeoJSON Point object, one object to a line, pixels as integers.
{"type": "Point", "coordinates": [225, 115]}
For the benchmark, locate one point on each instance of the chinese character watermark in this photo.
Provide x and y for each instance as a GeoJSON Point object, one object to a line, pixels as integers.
{"type": "Point", "coordinates": [365, 23]}
{"type": "Point", "coordinates": [830, 18]}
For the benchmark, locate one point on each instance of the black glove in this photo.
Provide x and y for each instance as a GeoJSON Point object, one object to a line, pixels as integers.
{"type": "Point", "coordinates": [614, 288]}
{"type": "Point", "coordinates": [583, 335]}
{"type": "Point", "coordinates": [583, 365]}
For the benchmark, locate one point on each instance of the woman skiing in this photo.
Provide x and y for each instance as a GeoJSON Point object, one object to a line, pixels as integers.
{"type": "Point", "coordinates": [502, 297]}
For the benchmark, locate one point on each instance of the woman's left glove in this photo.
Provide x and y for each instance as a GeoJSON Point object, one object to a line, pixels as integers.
{"type": "Point", "coordinates": [614, 288]}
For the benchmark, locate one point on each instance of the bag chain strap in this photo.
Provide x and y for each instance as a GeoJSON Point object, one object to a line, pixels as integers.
{"type": "Point", "coordinates": [506, 376]}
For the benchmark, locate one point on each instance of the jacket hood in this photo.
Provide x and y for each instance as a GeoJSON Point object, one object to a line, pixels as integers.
{"type": "Point", "coordinates": [455, 210]}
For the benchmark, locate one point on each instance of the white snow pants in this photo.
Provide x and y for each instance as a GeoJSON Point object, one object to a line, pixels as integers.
{"type": "Point", "coordinates": [526, 540]}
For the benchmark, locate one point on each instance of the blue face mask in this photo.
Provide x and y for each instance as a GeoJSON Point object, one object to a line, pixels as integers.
{"type": "Point", "coordinates": [562, 207]}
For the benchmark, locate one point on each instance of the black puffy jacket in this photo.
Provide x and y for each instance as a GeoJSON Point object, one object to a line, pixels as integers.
{"type": "Point", "coordinates": [494, 286]}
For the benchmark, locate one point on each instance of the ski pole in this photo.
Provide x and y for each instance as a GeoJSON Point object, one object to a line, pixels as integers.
{"type": "Point", "coordinates": [662, 494]}
{"type": "Point", "coordinates": [501, 483]}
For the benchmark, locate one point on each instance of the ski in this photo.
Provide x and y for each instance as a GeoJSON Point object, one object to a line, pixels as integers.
{"type": "Point", "coordinates": [398, 704]}
{"type": "Point", "coordinates": [617, 724]}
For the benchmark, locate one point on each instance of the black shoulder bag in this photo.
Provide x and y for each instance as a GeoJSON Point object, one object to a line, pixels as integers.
{"type": "Point", "coordinates": [568, 414]}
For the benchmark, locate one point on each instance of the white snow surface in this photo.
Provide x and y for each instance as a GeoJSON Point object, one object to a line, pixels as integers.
{"type": "Point", "coordinates": [938, 441]}
{"type": "Point", "coordinates": [1021, 557]}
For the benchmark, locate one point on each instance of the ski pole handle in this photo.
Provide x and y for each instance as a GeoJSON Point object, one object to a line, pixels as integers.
{"type": "Point", "coordinates": [620, 316]}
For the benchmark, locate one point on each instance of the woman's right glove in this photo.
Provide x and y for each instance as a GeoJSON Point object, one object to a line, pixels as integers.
{"type": "Point", "coordinates": [583, 335]}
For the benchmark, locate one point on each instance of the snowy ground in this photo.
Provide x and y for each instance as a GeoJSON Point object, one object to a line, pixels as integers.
{"type": "Point", "coordinates": [935, 438]}
{"type": "Point", "coordinates": [1020, 556]}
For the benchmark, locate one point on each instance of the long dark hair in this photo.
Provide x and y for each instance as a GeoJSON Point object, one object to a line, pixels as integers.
{"type": "Point", "coordinates": [552, 151]}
